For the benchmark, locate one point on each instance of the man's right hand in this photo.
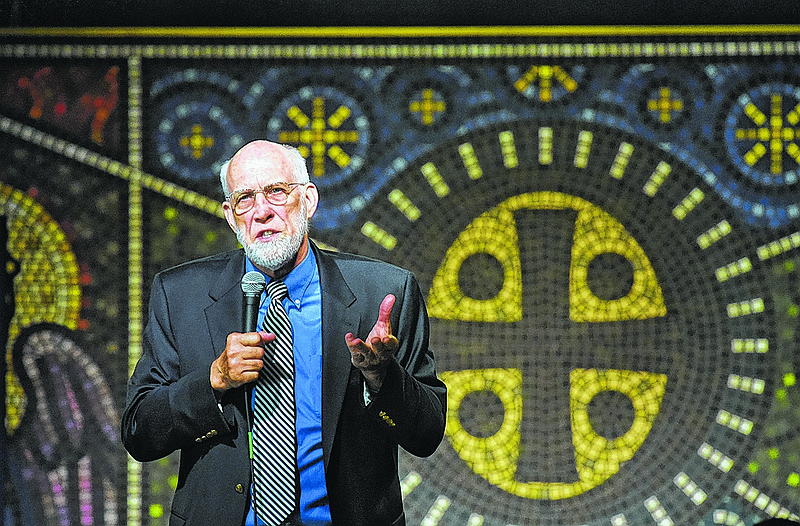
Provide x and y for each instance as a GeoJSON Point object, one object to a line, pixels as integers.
{"type": "Point", "coordinates": [241, 360]}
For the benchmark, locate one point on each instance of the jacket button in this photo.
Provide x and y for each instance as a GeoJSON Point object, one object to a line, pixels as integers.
{"type": "Point", "coordinates": [239, 488]}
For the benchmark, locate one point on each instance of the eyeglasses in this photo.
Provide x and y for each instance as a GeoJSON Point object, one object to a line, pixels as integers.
{"type": "Point", "coordinates": [276, 193]}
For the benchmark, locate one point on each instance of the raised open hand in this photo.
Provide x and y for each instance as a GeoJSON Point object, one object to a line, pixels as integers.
{"type": "Point", "coordinates": [372, 355]}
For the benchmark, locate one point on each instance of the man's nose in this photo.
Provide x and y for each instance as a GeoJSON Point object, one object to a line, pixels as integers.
{"type": "Point", "coordinates": [262, 207]}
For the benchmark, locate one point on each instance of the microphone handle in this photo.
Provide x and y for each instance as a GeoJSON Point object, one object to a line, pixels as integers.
{"type": "Point", "coordinates": [251, 312]}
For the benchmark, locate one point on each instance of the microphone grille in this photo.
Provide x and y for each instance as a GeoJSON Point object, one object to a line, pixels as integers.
{"type": "Point", "coordinates": [253, 282]}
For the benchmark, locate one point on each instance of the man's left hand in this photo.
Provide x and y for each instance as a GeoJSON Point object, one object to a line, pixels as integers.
{"type": "Point", "coordinates": [372, 356]}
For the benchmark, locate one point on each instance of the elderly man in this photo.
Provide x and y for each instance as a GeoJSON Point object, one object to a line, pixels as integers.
{"type": "Point", "coordinates": [351, 360]}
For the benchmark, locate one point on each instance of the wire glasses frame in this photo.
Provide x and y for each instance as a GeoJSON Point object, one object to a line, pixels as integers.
{"type": "Point", "coordinates": [276, 193]}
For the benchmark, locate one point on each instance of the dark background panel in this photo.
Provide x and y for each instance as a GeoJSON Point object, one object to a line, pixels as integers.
{"type": "Point", "coordinates": [38, 13]}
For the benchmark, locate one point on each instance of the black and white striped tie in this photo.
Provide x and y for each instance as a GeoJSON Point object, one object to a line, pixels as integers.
{"type": "Point", "coordinates": [274, 439]}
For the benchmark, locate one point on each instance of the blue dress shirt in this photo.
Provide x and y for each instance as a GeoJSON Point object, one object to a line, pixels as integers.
{"type": "Point", "coordinates": [304, 307]}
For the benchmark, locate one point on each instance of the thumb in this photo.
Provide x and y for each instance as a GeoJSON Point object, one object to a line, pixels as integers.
{"type": "Point", "coordinates": [385, 312]}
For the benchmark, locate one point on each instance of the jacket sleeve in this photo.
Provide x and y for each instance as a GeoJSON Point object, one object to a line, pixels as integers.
{"type": "Point", "coordinates": [170, 405]}
{"type": "Point", "coordinates": [412, 401]}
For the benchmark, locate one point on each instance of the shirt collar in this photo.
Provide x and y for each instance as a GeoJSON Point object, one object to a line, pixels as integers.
{"type": "Point", "coordinates": [298, 280]}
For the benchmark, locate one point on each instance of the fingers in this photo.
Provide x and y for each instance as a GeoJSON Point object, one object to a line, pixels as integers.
{"type": "Point", "coordinates": [241, 360]}
{"type": "Point", "coordinates": [371, 355]}
{"type": "Point", "coordinates": [376, 344]}
{"type": "Point", "coordinates": [360, 354]}
{"type": "Point", "coordinates": [384, 344]}
{"type": "Point", "coordinates": [358, 347]}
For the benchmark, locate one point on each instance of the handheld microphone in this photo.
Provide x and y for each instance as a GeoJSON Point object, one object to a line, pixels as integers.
{"type": "Point", "coordinates": [253, 284]}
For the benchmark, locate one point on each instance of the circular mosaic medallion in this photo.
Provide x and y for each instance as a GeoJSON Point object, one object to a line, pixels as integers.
{"type": "Point", "coordinates": [600, 317]}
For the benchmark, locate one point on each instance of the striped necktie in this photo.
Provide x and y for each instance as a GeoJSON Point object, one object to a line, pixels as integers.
{"type": "Point", "coordinates": [274, 439]}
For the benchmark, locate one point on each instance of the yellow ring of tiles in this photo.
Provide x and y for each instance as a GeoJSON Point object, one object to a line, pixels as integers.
{"type": "Point", "coordinates": [47, 284]}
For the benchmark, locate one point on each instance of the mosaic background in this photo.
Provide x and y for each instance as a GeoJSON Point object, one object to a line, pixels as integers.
{"type": "Point", "coordinates": [605, 222]}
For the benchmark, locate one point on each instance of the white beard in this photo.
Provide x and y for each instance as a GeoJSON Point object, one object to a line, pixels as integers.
{"type": "Point", "coordinates": [276, 253]}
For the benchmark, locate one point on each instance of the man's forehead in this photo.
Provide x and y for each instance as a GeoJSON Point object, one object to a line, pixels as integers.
{"type": "Point", "coordinates": [260, 161]}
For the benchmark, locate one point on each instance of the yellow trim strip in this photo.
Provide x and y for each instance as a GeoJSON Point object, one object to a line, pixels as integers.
{"type": "Point", "coordinates": [124, 171]}
{"type": "Point", "coordinates": [390, 32]}
{"type": "Point", "coordinates": [135, 266]}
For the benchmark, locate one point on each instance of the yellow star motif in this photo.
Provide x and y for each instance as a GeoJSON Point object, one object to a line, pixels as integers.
{"type": "Point", "coordinates": [775, 134]}
{"type": "Point", "coordinates": [197, 141]}
{"type": "Point", "coordinates": [665, 105]}
{"type": "Point", "coordinates": [428, 106]}
{"type": "Point", "coordinates": [545, 76]}
{"type": "Point", "coordinates": [319, 136]}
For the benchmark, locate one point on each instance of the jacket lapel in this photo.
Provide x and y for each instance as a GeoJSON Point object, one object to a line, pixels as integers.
{"type": "Point", "coordinates": [226, 313]}
{"type": "Point", "coordinates": [338, 318]}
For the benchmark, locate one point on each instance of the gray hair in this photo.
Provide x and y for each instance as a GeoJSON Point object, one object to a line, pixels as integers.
{"type": "Point", "coordinates": [297, 164]}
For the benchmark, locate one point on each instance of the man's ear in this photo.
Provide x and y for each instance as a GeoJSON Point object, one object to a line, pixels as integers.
{"type": "Point", "coordinates": [228, 211]}
{"type": "Point", "coordinates": [311, 195]}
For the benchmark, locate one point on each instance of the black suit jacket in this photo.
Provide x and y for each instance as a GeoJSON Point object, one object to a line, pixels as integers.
{"type": "Point", "coordinates": [171, 405]}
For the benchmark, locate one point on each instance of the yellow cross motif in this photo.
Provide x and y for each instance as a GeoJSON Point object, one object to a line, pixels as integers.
{"type": "Point", "coordinates": [319, 136]}
{"type": "Point", "coordinates": [197, 142]}
{"type": "Point", "coordinates": [427, 107]}
{"type": "Point", "coordinates": [545, 75]}
{"type": "Point", "coordinates": [774, 134]}
{"type": "Point", "coordinates": [665, 105]}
